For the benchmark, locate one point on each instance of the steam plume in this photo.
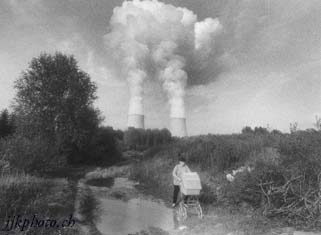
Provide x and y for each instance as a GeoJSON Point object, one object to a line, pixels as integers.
{"type": "Point", "coordinates": [156, 40]}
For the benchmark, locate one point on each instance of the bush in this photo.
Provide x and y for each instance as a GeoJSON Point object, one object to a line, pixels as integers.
{"type": "Point", "coordinates": [104, 148]}
{"type": "Point", "coordinates": [35, 155]}
{"type": "Point", "coordinates": [20, 193]}
{"type": "Point", "coordinates": [285, 182]}
{"type": "Point", "coordinates": [88, 205]}
{"type": "Point", "coordinates": [282, 177]}
{"type": "Point", "coordinates": [26, 154]}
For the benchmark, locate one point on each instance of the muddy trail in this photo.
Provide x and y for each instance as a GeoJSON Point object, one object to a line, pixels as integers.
{"type": "Point", "coordinates": [125, 210]}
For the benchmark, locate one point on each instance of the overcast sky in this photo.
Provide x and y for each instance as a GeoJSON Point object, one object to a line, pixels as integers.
{"type": "Point", "coordinates": [268, 62]}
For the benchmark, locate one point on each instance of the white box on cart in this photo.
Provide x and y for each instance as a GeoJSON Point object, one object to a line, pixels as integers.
{"type": "Point", "coordinates": [191, 184]}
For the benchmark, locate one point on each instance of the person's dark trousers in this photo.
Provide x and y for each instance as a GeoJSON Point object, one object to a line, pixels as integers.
{"type": "Point", "coordinates": [176, 191]}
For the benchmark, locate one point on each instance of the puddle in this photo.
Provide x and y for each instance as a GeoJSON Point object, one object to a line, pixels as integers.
{"type": "Point", "coordinates": [101, 182]}
{"type": "Point", "coordinates": [121, 182]}
{"type": "Point", "coordinates": [119, 217]}
{"type": "Point", "coordinates": [124, 217]}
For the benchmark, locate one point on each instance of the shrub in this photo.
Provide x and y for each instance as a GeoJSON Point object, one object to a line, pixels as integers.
{"type": "Point", "coordinates": [26, 154]}
{"type": "Point", "coordinates": [283, 182]}
{"type": "Point", "coordinates": [103, 148]}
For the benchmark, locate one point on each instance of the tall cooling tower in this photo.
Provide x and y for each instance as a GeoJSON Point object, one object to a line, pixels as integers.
{"type": "Point", "coordinates": [136, 121]}
{"type": "Point", "coordinates": [178, 127]}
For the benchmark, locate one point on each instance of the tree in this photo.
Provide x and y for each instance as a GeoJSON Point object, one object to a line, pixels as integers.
{"type": "Point", "coordinates": [166, 135]}
{"type": "Point", "coordinates": [54, 100]}
{"type": "Point", "coordinates": [317, 123]}
{"type": "Point", "coordinates": [276, 132]}
{"type": "Point", "coordinates": [140, 139]}
{"type": "Point", "coordinates": [293, 127]}
{"type": "Point", "coordinates": [261, 130]}
{"type": "Point", "coordinates": [104, 148]}
{"type": "Point", "coordinates": [6, 123]}
{"type": "Point", "coordinates": [247, 130]}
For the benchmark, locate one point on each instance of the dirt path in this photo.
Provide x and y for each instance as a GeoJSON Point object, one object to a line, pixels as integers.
{"type": "Point", "coordinates": [123, 209]}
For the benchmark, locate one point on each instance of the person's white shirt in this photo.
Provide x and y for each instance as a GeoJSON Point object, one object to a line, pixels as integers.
{"type": "Point", "coordinates": [179, 169]}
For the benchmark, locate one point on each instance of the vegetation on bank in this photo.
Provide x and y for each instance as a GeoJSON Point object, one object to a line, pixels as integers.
{"type": "Point", "coordinates": [52, 126]}
{"type": "Point", "coordinates": [279, 176]}
{"type": "Point", "coordinates": [27, 196]}
{"type": "Point", "coordinates": [51, 130]}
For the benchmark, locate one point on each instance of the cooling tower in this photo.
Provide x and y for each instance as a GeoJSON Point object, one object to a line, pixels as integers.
{"type": "Point", "coordinates": [178, 127]}
{"type": "Point", "coordinates": [136, 121]}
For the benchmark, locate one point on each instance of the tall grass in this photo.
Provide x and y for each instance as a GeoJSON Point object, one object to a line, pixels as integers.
{"type": "Point", "coordinates": [25, 195]}
{"type": "Point", "coordinates": [275, 157]}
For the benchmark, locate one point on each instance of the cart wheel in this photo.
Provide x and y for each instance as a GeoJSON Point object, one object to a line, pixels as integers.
{"type": "Point", "coordinates": [182, 211]}
{"type": "Point", "coordinates": [199, 211]}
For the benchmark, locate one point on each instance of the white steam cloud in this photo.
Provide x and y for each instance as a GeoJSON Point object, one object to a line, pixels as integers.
{"type": "Point", "coordinates": [151, 39]}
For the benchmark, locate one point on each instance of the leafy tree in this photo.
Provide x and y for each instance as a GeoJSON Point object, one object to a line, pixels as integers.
{"type": "Point", "coordinates": [317, 123]}
{"type": "Point", "coordinates": [293, 127]}
{"type": "Point", "coordinates": [261, 130]}
{"type": "Point", "coordinates": [256, 130]}
{"type": "Point", "coordinates": [6, 123]}
{"type": "Point", "coordinates": [276, 132]}
{"type": "Point", "coordinates": [247, 130]}
{"type": "Point", "coordinates": [103, 147]}
{"type": "Point", "coordinates": [140, 139]}
{"type": "Point", "coordinates": [54, 100]}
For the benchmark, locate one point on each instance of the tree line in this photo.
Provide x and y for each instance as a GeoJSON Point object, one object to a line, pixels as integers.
{"type": "Point", "coordinates": [140, 139]}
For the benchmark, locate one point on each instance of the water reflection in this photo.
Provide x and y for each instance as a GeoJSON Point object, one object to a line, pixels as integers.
{"type": "Point", "coordinates": [119, 217]}
{"type": "Point", "coordinates": [124, 217]}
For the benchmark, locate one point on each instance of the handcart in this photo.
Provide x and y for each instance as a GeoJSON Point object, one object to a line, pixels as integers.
{"type": "Point", "coordinates": [189, 195]}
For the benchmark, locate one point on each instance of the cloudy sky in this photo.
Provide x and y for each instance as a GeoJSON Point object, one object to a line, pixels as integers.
{"type": "Point", "coordinates": [267, 69]}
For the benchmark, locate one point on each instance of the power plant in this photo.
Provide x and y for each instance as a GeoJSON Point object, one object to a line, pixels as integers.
{"type": "Point", "coordinates": [136, 121]}
{"type": "Point", "coordinates": [160, 53]}
{"type": "Point", "coordinates": [178, 127]}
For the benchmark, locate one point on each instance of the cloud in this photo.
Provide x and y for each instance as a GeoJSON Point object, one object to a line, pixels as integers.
{"type": "Point", "coordinates": [265, 67]}
{"type": "Point", "coordinates": [153, 39]}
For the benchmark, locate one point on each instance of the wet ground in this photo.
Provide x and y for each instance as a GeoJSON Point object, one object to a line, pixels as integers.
{"type": "Point", "coordinates": [124, 211]}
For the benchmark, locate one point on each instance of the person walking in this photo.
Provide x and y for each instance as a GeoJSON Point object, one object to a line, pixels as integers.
{"type": "Point", "coordinates": [179, 169]}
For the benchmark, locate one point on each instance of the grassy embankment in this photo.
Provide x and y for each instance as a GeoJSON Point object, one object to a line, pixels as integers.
{"type": "Point", "coordinates": [269, 196]}
{"type": "Point", "coordinates": [49, 196]}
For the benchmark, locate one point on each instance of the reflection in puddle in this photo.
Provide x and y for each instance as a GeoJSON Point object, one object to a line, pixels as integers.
{"type": "Point", "coordinates": [119, 217]}
{"type": "Point", "coordinates": [101, 182]}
